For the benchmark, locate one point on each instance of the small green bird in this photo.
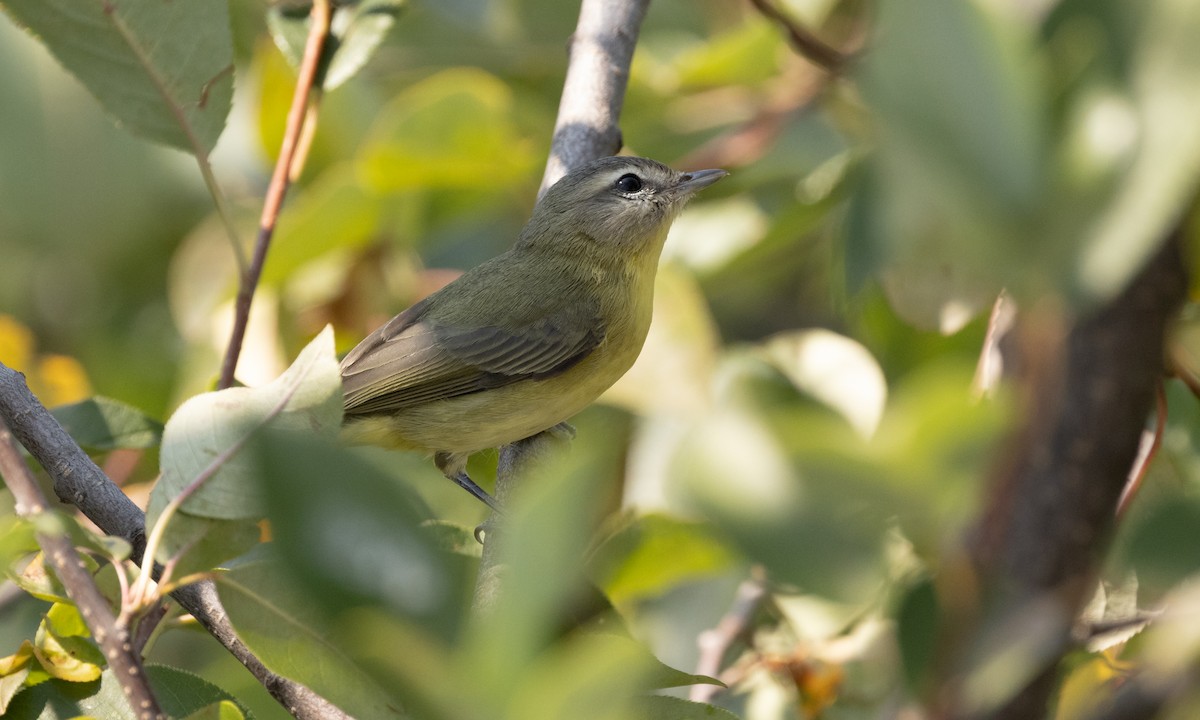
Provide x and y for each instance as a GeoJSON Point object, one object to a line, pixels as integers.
{"type": "Point", "coordinates": [524, 341]}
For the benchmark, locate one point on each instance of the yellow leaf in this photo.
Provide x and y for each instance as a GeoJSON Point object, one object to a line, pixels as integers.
{"type": "Point", "coordinates": [61, 380]}
{"type": "Point", "coordinates": [16, 343]}
{"type": "Point", "coordinates": [17, 660]}
{"type": "Point", "coordinates": [74, 659]}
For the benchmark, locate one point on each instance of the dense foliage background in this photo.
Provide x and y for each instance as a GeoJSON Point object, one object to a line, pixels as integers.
{"type": "Point", "coordinates": [806, 416]}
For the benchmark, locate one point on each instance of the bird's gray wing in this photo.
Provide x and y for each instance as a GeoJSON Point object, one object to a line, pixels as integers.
{"type": "Point", "coordinates": [415, 359]}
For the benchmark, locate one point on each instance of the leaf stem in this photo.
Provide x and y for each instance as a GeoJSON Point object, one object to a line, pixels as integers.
{"type": "Point", "coordinates": [321, 17]}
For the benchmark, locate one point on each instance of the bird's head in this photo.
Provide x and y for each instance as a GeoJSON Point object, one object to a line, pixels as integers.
{"type": "Point", "coordinates": [619, 205]}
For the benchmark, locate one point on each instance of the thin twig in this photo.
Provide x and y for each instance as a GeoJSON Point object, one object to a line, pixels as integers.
{"type": "Point", "coordinates": [78, 481]}
{"type": "Point", "coordinates": [806, 43]}
{"type": "Point", "coordinates": [1146, 454]}
{"type": "Point", "coordinates": [273, 203]}
{"type": "Point", "coordinates": [715, 643]}
{"type": "Point", "coordinates": [123, 660]}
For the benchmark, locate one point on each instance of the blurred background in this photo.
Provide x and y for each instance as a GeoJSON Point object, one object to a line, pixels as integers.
{"type": "Point", "coordinates": [805, 402]}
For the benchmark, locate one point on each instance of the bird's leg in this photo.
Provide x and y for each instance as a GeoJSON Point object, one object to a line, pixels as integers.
{"type": "Point", "coordinates": [453, 466]}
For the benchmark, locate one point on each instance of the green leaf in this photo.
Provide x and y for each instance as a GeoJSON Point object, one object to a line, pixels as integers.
{"type": "Point", "coordinates": [334, 213]}
{"type": "Point", "coordinates": [279, 622]}
{"type": "Point", "coordinates": [180, 693]}
{"type": "Point", "coordinates": [355, 34]}
{"type": "Point", "coordinates": [653, 553]}
{"type": "Point", "coordinates": [359, 540]}
{"type": "Point", "coordinates": [162, 69]}
{"type": "Point", "coordinates": [546, 530]}
{"type": "Point", "coordinates": [454, 130]}
{"type": "Point", "coordinates": [806, 528]}
{"type": "Point", "coordinates": [661, 707]}
{"type": "Point", "coordinates": [210, 431]}
{"type": "Point", "coordinates": [101, 423]}
{"type": "Point", "coordinates": [961, 170]}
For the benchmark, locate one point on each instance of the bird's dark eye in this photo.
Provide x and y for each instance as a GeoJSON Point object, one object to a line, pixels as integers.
{"type": "Point", "coordinates": [629, 183]}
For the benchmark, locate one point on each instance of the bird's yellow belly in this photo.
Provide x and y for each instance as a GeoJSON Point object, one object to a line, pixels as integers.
{"type": "Point", "coordinates": [498, 416]}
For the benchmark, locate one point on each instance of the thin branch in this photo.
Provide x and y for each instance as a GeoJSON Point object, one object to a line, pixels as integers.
{"type": "Point", "coordinates": [1146, 454]}
{"type": "Point", "coordinates": [806, 43]}
{"type": "Point", "coordinates": [601, 52]}
{"type": "Point", "coordinates": [248, 282]}
{"type": "Point", "coordinates": [123, 660]}
{"type": "Point", "coordinates": [715, 643]}
{"type": "Point", "coordinates": [78, 481]}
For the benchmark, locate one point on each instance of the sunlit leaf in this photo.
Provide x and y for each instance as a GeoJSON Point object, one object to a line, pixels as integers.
{"type": "Point", "coordinates": [452, 130]}
{"type": "Point", "coordinates": [652, 554]}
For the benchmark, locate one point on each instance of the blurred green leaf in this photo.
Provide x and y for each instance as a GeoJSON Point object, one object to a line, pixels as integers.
{"type": "Point", "coordinates": [355, 34]}
{"type": "Point", "coordinates": [352, 535]}
{"type": "Point", "coordinates": [280, 624]}
{"type": "Point", "coordinates": [547, 527]}
{"type": "Point", "coordinates": [651, 554]}
{"type": "Point", "coordinates": [101, 423]}
{"type": "Point", "coordinates": [917, 633]}
{"type": "Point", "coordinates": [807, 527]}
{"type": "Point", "coordinates": [748, 53]}
{"type": "Point", "coordinates": [454, 130]}
{"type": "Point", "coordinates": [1141, 130]}
{"type": "Point", "coordinates": [164, 70]}
{"type": "Point", "coordinates": [661, 707]}
{"type": "Point", "coordinates": [224, 710]}
{"type": "Point", "coordinates": [333, 214]}
{"type": "Point", "coordinates": [1161, 547]}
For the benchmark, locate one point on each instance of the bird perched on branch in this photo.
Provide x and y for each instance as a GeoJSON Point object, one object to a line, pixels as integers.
{"type": "Point", "coordinates": [524, 341]}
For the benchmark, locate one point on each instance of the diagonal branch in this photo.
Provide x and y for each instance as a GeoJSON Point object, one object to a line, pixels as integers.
{"type": "Point", "coordinates": [123, 660]}
{"type": "Point", "coordinates": [79, 482]}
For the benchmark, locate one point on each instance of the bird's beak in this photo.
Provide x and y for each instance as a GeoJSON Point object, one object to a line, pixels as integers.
{"type": "Point", "coordinates": [693, 181]}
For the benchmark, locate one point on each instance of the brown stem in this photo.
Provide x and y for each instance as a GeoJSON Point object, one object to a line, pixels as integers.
{"type": "Point", "coordinates": [806, 43]}
{"type": "Point", "coordinates": [124, 662]}
{"type": "Point", "coordinates": [715, 643]}
{"type": "Point", "coordinates": [273, 203]}
{"type": "Point", "coordinates": [1142, 466]}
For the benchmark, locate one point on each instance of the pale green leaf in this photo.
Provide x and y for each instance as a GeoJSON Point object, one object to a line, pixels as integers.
{"type": "Point", "coordinates": [210, 431]}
